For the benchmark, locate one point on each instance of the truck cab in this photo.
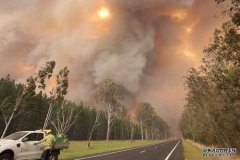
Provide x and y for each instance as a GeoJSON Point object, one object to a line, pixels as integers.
{"type": "Point", "coordinates": [21, 146]}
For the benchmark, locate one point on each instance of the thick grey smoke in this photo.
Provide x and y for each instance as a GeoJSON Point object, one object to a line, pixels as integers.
{"type": "Point", "coordinates": [147, 45]}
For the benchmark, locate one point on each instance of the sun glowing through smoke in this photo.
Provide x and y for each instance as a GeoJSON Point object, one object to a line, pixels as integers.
{"type": "Point", "coordinates": [104, 13]}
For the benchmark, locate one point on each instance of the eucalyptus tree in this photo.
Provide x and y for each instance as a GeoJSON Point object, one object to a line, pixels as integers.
{"type": "Point", "coordinates": [57, 96]}
{"type": "Point", "coordinates": [108, 96]}
{"type": "Point", "coordinates": [65, 116]}
{"type": "Point", "coordinates": [25, 91]}
{"type": "Point", "coordinates": [144, 115]}
{"type": "Point", "coordinates": [213, 89]}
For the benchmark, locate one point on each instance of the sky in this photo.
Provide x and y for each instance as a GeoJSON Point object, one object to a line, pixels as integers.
{"type": "Point", "coordinates": [146, 45]}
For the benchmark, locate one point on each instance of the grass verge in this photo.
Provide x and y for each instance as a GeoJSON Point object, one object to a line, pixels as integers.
{"type": "Point", "coordinates": [192, 152]}
{"type": "Point", "coordinates": [79, 148]}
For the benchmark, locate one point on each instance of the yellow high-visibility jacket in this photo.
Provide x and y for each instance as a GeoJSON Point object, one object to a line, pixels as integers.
{"type": "Point", "coordinates": [49, 142]}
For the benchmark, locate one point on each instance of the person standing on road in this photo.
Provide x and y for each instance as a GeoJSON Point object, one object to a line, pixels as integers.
{"type": "Point", "coordinates": [49, 142]}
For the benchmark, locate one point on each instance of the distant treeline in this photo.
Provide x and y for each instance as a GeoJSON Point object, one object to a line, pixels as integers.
{"type": "Point", "coordinates": [29, 110]}
{"type": "Point", "coordinates": [212, 113]}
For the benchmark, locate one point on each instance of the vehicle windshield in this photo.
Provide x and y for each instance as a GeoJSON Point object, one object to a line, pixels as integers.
{"type": "Point", "coordinates": [16, 136]}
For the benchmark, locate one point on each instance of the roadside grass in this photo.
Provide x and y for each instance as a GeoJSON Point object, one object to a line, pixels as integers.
{"type": "Point", "coordinates": [79, 148]}
{"type": "Point", "coordinates": [192, 152]}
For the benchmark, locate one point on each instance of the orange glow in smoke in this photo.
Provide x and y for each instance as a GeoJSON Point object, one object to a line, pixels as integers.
{"type": "Point", "coordinates": [51, 83]}
{"type": "Point", "coordinates": [179, 15]}
{"type": "Point", "coordinates": [26, 68]}
{"type": "Point", "coordinates": [131, 113]}
{"type": "Point", "coordinates": [104, 13]}
{"type": "Point", "coordinates": [189, 30]}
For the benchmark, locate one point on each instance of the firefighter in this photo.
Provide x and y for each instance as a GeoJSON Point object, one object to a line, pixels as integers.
{"type": "Point", "coordinates": [49, 142]}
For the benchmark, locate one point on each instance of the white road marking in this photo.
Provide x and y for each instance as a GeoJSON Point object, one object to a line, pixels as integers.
{"type": "Point", "coordinates": [113, 152]}
{"type": "Point", "coordinates": [142, 151]}
{"type": "Point", "coordinates": [172, 151]}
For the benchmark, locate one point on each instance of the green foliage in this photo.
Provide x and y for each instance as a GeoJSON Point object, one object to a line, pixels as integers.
{"type": "Point", "coordinates": [110, 92]}
{"type": "Point", "coordinates": [108, 96]}
{"type": "Point", "coordinates": [58, 93]}
{"type": "Point", "coordinates": [149, 121]}
{"type": "Point", "coordinates": [34, 115]}
{"type": "Point", "coordinates": [34, 105]}
{"type": "Point", "coordinates": [24, 95]}
{"type": "Point", "coordinates": [62, 82]}
{"type": "Point", "coordinates": [231, 7]}
{"type": "Point", "coordinates": [57, 104]}
{"type": "Point", "coordinates": [236, 18]}
{"type": "Point", "coordinates": [8, 90]}
{"type": "Point", "coordinates": [211, 115]}
{"type": "Point", "coordinates": [45, 72]}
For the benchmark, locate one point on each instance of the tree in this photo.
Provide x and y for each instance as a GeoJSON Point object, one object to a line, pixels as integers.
{"type": "Point", "coordinates": [108, 96]}
{"type": "Point", "coordinates": [90, 124]}
{"type": "Point", "coordinates": [144, 114]}
{"type": "Point", "coordinates": [122, 116]}
{"type": "Point", "coordinates": [133, 126]}
{"type": "Point", "coordinates": [66, 115]}
{"type": "Point", "coordinates": [57, 94]}
{"type": "Point", "coordinates": [33, 116]}
{"type": "Point", "coordinates": [95, 125]}
{"type": "Point", "coordinates": [232, 9]}
{"type": "Point", "coordinates": [25, 91]}
{"type": "Point", "coordinates": [213, 89]}
{"type": "Point", "coordinates": [150, 122]}
{"type": "Point", "coordinates": [156, 125]}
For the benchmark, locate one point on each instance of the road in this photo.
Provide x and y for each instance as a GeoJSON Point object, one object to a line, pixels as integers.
{"type": "Point", "coordinates": [171, 150]}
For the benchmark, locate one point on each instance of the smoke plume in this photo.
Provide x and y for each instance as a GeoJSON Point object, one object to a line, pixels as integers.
{"type": "Point", "coordinates": [146, 45]}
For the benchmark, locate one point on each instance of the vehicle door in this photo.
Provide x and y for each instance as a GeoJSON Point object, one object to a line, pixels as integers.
{"type": "Point", "coordinates": [39, 151]}
{"type": "Point", "coordinates": [28, 148]}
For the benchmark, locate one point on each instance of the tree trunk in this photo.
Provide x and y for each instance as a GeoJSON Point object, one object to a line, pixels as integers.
{"type": "Point", "coordinates": [108, 131]}
{"type": "Point", "coordinates": [146, 133]}
{"type": "Point", "coordinates": [122, 130]}
{"type": "Point", "coordinates": [93, 128]}
{"type": "Point", "coordinates": [156, 133]}
{"type": "Point", "coordinates": [165, 135]}
{"type": "Point", "coordinates": [132, 132]}
{"type": "Point", "coordinates": [7, 125]}
{"type": "Point", "coordinates": [15, 108]}
{"type": "Point", "coordinates": [141, 125]}
{"type": "Point", "coordinates": [109, 126]}
{"type": "Point", "coordinates": [89, 139]}
{"type": "Point", "coordinates": [48, 116]}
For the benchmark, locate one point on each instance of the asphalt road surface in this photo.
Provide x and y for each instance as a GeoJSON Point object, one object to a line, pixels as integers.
{"type": "Point", "coordinates": [171, 150]}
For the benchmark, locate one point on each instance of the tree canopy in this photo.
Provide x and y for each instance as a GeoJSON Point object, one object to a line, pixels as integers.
{"type": "Point", "coordinates": [211, 115]}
